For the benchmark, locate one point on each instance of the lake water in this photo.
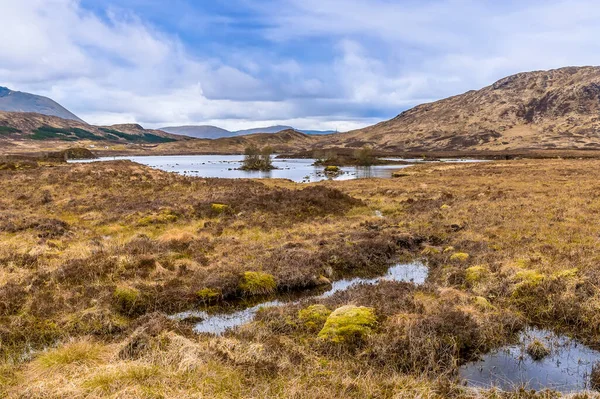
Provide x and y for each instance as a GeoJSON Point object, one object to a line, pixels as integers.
{"type": "Point", "coordinates": [566, 369]}
{"type": "Point", "coordinates": [218, 323]}
{"type": "Point", "coordinates": [226, 166]}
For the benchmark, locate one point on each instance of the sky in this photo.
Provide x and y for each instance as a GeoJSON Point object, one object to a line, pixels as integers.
{"type": "Point", "coordinates": [312, 64]}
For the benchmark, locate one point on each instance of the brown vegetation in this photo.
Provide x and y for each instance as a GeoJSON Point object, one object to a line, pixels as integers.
{"type": "Point", "coordinates": [93, 258]}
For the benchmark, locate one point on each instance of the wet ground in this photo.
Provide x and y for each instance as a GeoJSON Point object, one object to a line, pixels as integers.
{"type": "Point", "coordinates": [218, 323]}
{"type": "Point", "coordinates": [566, 369]}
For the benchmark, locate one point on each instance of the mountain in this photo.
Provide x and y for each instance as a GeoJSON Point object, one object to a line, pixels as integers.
{"type": "Point", "coordinates": [269, 129]}
{"type": "Point", "coordinates": [214, 132]}
{"type": "Point", "coordinates": [16, 101]}
{"type": "Point", "coordinates": [200, 132]}
{"type": "Point", "coordinates": [279, 128]}
{"type": "Point", "coordinates": [532, 110]}
{"type": "Point", "coordinates": [318, 132]}
{"type": "Point", "coordinates": [27, 126]}
{"type": "Point", "coordinates": [285, 141]}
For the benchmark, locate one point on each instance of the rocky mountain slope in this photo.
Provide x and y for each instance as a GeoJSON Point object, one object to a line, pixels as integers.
{"type": "Point", "coordinates": [16, 101]}
{"type": "Point", "coordinates": [25, 127]}
{"type": "Point", "coordinates": [533, 110]}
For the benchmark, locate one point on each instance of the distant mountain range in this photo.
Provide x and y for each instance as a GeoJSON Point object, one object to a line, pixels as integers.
{"type": "Point", "coordinates": [16, 101]}
{"type": "Point", "coordinates": [214, 132]}
{"type": "Point", "coordinates": [540, 110]}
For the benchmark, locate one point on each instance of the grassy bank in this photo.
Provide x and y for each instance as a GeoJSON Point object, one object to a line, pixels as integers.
{"type": "Point", "coordinates": [94, 256]}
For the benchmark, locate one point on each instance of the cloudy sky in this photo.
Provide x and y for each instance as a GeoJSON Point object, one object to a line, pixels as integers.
{"type": "Point", "coordinates": [313, 64]}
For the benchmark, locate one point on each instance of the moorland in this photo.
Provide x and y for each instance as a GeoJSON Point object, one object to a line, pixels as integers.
{"type": "Point", "coordinates": [96, 257]}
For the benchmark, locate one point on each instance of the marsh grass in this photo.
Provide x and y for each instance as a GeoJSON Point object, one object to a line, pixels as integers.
{"type": "Point", "coordinates": [92, 272]}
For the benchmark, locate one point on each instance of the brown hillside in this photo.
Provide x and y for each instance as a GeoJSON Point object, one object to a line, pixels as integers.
{"type": "Point", "coordinates": [534, 110]}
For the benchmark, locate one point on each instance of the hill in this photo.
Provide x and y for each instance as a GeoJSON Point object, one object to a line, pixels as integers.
{"type": "Point", "coordinates": [282, 142]}
{"type": "Point", "coordinates": [215, 132]}
{"type": "Point", "coordinates": [21, 129]}
{"type": "Point", "coordinates": [556, 109]}
{"type": "Point", "coordinates": [199, 132]}
{"type": "Point", "coordinates": [16, 101]}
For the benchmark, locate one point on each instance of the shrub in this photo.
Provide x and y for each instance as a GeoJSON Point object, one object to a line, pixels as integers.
{"type": "Point", "coordinates": [364, 156]}
{"type": "Point", "coordinates": [348, 324]}
{"type": "Point", "coordinates": [258, 283]}
{"type": "Point", "coordinates": [314, 316]}
{"type": "Point", "coordinates": [8, 130]}
{"type": "Point", "coordinates": [537, 350]}
{"type": "Point", "coordinates": [460, 257]}
{"type": "Point", "coordinates": [257, 159]}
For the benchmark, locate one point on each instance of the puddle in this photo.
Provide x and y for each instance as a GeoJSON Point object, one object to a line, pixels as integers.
{"type": "Point", "coordinates": [565, 370]}
{"type": "Point", "coordinates": [415, 273]}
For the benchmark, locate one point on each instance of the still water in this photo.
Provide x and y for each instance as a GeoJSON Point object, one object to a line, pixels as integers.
{"type": "Point", "coordinates": [566, 369]}
{"type": "Point", "coordinates": [218, 323]}
{"type": "Point", "coordinates": [226, 166]}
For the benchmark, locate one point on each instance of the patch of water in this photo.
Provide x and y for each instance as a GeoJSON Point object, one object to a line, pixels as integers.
{"type": "Point", "coordinates": [415, 273]}
{"type": "Point", "coordinates": [566, 369]}
{"type": "Point", "coordinates": [227, 166]}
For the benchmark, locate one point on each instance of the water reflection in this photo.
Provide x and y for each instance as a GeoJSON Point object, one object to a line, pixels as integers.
{"type": "Point", "coordinates": [219, 323]}
{"type": "Point", "coordinates": [226, 166]}
{"type": "Point", "coordinates": [566, 369]}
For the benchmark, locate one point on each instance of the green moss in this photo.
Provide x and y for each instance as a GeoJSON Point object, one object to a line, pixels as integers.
{"type": "Point", "coordinates": [332, 169]}
{"type": "Point", "coordinates": [348, 324]}
{"type": "Point", "coordinates": [566, 274]}
{"type": "Point", "coordinates": [164, 217]}
{"type": "Point", "coordinates": [258, 283]}
{"type": "Point", "coordinates": [482, 303]}
{"type": "Point", "coordinates": [445, 206]}
{"type": "Point", "coordinates": [219, 208]}
{"type": "Point", "coordinates": [460, 257]}
{"type": "Point", "coordinates": [208, 294]}
{"type": "Point", "coordinates": [127, 300]}
{"type": "Point", "coordinates": [429, 250]}
{"type": "Point", "coordinates": [475, 274]}
{"type": "Point", "coordinates": [314, 316]}
{"type": "Point", "coordinates": [530, 277]}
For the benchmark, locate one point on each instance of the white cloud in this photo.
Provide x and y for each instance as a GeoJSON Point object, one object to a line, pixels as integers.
{"type": "Point", "coordinates": [376, 57]}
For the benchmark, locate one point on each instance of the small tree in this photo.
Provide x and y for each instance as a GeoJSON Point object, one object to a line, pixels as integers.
{"type": "Point", "coordinates": [364, 156]}
{"type": "Point", "coordinates": [257, 159]}
{"type": "Point", "coordinates": [265, 157]}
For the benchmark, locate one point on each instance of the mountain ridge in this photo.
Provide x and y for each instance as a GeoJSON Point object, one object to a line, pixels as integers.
{"type": "Point", "coordinates": [215, 132]}
{"type": "Point", "coordinates": [18, 101]}
{"type": "Point", "coordinates": [557, 108]}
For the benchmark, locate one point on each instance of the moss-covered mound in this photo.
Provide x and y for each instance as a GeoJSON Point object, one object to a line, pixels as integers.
{"type": "Point", "coordinates": [314, 316]}
{"type": "Point", "coordinates": [257, 283]}
{"type": "Point", "coordinates": [348, 324]}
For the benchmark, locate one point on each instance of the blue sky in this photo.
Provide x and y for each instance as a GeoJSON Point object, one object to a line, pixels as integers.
{"type": "Point", "coordinates": [313, 64]}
